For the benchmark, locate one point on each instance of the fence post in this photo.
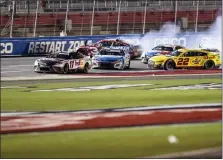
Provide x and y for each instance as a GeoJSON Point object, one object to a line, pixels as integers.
{"type": "Point", "coordinates": [144, 19]}
{"type": "Point", "coordinates": [37, 8]}
{"type": "Point", "coordinates": [65, 25]}
{"type": "Point", "coordinates": [118, 17]}
{"type": "Point", "coordinates": [12, 22]}
{"type": "Point", "coordinates": [175, 22]}
{"type": "Point", "coordinates": [196, 16]}
{"type": "Point", "coordinates": [92, 19]}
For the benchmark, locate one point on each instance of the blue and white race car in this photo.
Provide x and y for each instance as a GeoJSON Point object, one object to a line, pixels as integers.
{"type": "Point", "coordinates": [162, 49]}
{"type": "Point", "coordinates": [109, 58]}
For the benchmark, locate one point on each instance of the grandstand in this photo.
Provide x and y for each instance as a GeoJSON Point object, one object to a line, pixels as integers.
{"type": "Point", "coordinates": [28, 18]}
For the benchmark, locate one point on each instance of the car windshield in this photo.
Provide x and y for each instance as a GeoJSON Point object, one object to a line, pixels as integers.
{"type": "Point", "coordinates": [175, 53]}
{"type": "Point", "coordinates": [59, 55]}
{"type": "Point", "coordinates": [163, 48]}
{"type": "Point", "coordinates": [110, 53]}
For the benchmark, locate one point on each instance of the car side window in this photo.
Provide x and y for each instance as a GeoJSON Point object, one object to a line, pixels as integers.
{"type": "Point", "coordinates": [202, 54]}
{"type": "Point", "coordinates": [106, 43]}
{"type": "Point", "coordinates": [122, 53]}
{"type": "Point", "coordinates": [190, 54]}
{"type": "Point", "coordinates": [98, 44]}
{"type": "Point", "coordinates": [178, 47]}
{"type": "Point", "coordinates": [118, 44]}
{"type": "Point", "coordinates": [76, 55]}
{"type": "Point", "coordinates": [79, 55]}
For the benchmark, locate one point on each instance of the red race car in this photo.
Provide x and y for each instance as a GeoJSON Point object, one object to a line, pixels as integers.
{"type": "Point", "coordinates": [93, 49]}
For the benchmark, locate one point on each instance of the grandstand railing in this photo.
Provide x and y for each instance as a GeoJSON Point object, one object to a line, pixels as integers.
{"type": "Point", "coordinates": [132, 14]}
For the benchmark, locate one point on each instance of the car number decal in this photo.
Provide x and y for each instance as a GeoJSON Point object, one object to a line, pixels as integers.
{"type": "Point", "coordinates": [183, 61]}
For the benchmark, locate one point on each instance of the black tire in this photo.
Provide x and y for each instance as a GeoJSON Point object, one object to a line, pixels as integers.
{"type": "Point", "coordinates": [86, 68]}
{"type": "Point", "coordinates": [209, 64]}
{"type": "Point", "coordinates": [66, 69]}
{"type": "Point", "coordinates": [169, 65]}
{"type": "Point", "coordinates": [128, 65]}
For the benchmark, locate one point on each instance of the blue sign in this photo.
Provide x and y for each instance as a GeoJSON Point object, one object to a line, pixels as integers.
{"type": "Point", "coordinates": [46, 45]}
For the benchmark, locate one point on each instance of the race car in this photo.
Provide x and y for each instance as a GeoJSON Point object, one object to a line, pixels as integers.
{"type": "Point", "coordinates": [63, 63]}
{"type": "Point", "coordinates": [159, 50]}
{"type": "Point", "coordinates": [185, 58]}
{"type": "Point", "coordinates": [91, 50]}
{"type": "Point", "coordinates": [108, 58]}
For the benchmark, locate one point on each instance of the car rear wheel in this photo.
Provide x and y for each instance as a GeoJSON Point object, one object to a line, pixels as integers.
{"type": "Point", "coordinates": [66, 69]}
{"type": "Point", "coordinates": [86, 68]}
{"type": "Point", "coordinates": [169, 65]}
{"type": "Point", "coordinates": [209, 65]}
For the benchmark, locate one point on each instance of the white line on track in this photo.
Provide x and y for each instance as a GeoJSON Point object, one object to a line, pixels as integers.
{"type": "Point", "coordinates": [194, 153]}
{"type": "Point", "coordinates": [15, 71]}
{"type": "Point", "coordinates": [147, 108]}
{"type": "Point", "coordinates": [61, 77]}
{"type": "Point", "coordinates": [19, 66]}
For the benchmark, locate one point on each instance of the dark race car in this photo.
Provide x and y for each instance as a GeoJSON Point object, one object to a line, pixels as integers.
{"type": "Point", "coordinates": [63, 63]}
{"type": "Point", "coordinates": [109, 58]}
{"type": "Point", "coordinates": [165, 49]}
{"type": "Point", "coordinates": [91, 50]}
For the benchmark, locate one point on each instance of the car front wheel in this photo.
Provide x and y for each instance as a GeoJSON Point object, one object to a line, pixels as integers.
{"type": "Point", "coordinates": [66, 69]}
{"type": "Point", "coordinates": [169, 65]}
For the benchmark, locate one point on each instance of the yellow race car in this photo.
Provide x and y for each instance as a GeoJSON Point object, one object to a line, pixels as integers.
{"type": "Point", "coordinates": [186, 58]}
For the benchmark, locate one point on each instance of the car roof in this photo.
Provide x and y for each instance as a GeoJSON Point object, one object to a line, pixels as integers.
{"type": "Point", "coordinates": [192, 49]}
{"type": "Point", "coordinates": [64, 53]}
{"type": "Point", "coordinates": [170, 45]}
{"type": "Point", "coordinates": [112, 50]}
{"type": "Point", "coordinates": [114, 40]}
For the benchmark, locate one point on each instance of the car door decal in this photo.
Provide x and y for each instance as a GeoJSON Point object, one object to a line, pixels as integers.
{"type": "Point", "coordinates": [183, 61]}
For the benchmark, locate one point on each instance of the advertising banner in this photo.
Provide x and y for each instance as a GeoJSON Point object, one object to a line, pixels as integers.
{"type": "Point", "coordinates": [46, 45]}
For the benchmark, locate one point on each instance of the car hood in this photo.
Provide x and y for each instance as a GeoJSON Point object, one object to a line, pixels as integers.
{"type": "Point", "coordinates": [50, 60]}
{"type": "Point", "coordinates": [107, 58]}
{"type": "Point", "coordinates": [159, 58]}
{"type": "Point", "coordinates": [154, 52]}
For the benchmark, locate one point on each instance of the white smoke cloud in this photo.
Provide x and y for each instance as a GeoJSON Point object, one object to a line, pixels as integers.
{"type": "Point", "coordinates": [171, 30]}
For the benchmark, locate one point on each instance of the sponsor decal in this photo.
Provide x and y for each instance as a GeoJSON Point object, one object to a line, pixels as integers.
{"type": "Point", "coordinates": [196, 60]}
{"type": "Point", "coordinates": [6, 48]}
{"type": "Point", "coordinates": [170, 40]}
{"type": "Point", "coordinates": [55, 46]}
{"type": "Point", "coordinates": [210, 86]}
{"type": "Point", "coordinates": [125, 48]}
{"type": "Point", "coordinates": [88, 88]}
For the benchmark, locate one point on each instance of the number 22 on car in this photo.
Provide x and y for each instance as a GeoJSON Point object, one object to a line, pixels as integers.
{"type": "Point", "coordinates": [182, 61]}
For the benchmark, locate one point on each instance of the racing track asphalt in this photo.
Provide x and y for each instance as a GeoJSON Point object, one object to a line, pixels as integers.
{"type": "Point", "coordinates": [14, 67]}
{"type": "Point", "coordinates": [23, 66]}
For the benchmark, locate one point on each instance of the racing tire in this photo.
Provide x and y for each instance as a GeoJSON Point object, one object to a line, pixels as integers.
{"type": "Point", "coordinates": [66, 69]}
{"type": "Point", "coordinates": [169, 65]}
{"type": "Point", "coordinates": [86, 68]}
{"type": "Point", "coordinates": [209, 64]}
{"type": "Point", "coordinates": [128, 65]}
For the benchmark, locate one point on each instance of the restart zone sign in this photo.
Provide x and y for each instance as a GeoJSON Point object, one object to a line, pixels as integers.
{"type": "Point", "coordinates": [46, 45]}
{"type": "Point", "coordinates": [25, 47]}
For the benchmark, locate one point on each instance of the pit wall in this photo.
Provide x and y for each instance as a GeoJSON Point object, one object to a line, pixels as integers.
{"type": "Point", "coordinates": [46, 45]}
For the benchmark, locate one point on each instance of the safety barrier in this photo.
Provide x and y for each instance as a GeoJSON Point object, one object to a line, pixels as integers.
{"type": "Point", "coordinates": [46, 45]}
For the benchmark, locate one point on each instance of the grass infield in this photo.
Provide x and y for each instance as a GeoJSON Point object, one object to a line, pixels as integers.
{"type": "Point", "coordinates": [21, 99]}
{"type": "Point", "coordinates": [111, 143]}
